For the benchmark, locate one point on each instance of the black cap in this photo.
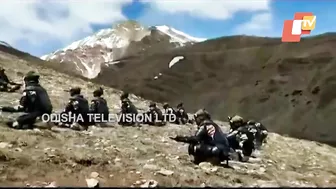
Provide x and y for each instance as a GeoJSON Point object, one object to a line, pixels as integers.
{"type": "Point", "coordinates": [75, 90]}
{"type": "Point", "coordinates": [98, 92]}
{"type": "Point", "coordinates": [124, 95]}
{"type": "Point", "coordinates": [31, 75]}
{"type": "Point", "coordinates": [202, 113]}
{"type": "Point", "coordinates": [152, 104]}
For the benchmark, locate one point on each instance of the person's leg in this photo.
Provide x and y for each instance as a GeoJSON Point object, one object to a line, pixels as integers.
{"type": "Point", "coordinates": [3, 88]}
{"type": "Point", "coordinates": [26, 121]}
{"type": "Point", "coordinates": [201, 152]}
{"type": "Point", "coordinates": [247, 149]}
{"type": "Point", "coordinates": [14, 88]}
{"type": "Point", "coordinates": [66, 122]}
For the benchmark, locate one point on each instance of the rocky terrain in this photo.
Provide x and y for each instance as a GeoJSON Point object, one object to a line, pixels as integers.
{"type": "Point", "coordinates": [145, 156]}
{"type": "Point", "coordinates": [107, 46]}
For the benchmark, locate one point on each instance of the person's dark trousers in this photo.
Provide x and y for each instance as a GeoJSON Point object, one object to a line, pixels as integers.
{"type": "Point", "coordinates": [28, 119]}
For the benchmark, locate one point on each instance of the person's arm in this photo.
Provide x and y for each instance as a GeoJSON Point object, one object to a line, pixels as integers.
{"type": "Point", "coordinates": [28, 96]}
{"type": "Point", "coordinates": [5, 78]}
{"type": "Point", "coordinates": [24, 100]}
{"type": "Point", "coordinates": [68, 107]}
{"type": "Point", "coordinates": [3, 82]}
{"type": "Point", "coordinates": [93, 106]}
{"type": "Point", "coordinates": [197, 137]}
{"type": "Point", "coordinates": [9, 109]}
{"type": "Point", "coordinates": [232, 133]}
{"type": "Point", "coordinates": [261, 126]}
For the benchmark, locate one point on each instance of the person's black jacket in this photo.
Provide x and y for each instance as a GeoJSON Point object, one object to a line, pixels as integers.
{"type": "Point", "coordinates": [181, 113]}
{"type": "Point", "coordinates": [128, 107]}
{"type": "Point", "coordinates": [209, 133]}
{"type": "Point", "coordinates": [157, 114]}
{"type": "Point", "coordinates": [4, 79]}
{"type": "Point", "coordinates": [99, 105]}
{"type": "Point", "coordinates": [170, 110]}
{"type": "Point", "coordinates": [77, 104]}
{"type": "Point", "coordinates": [34, 99]}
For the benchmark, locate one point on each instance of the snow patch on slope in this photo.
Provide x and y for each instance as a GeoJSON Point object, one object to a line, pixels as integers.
{"type": "Point", "coordinates": [178, 36]}
{"type": "Point", "coordinates": [44, 57]}
{"type": "Point", "coordinates": [92, 70]}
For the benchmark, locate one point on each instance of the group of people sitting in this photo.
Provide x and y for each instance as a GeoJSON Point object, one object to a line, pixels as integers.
{"type": "Point", "coordinates": [35, 102]}
{"type": "Point", "coordinates": [209, 142]}
{"type": "Point", "coordinates": [158, 116]}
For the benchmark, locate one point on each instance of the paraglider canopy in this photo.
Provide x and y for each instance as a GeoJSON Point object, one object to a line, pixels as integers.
{"type": "Point", "coordinates": [175, 60]}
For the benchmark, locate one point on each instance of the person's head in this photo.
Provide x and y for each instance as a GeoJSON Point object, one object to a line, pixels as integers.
{"type": "Point", "coordinates": [75, 91]}
{"type": "Point", "coordinates": [251, 122]}
{"type": "Point", "coordinates": [2, 70]}
{"type": "Point", "coordinates": [31, 77]}
{"type": "Point", "coordinates": [236, 121]}
{"type": "Point", "coordinates": [180, 105]}
{"type": "Point", "coordinates": [124, 95]}
{"type": "Point", "coordinates": [124, 104]}
{"type": "Point", "coordinates": [165, 105]}
{"type": "Point", "coordinates": [201, 115]}
{"type": "Point", "coordinates": [98, 92]}
{"type": "Point", "coordinates": [152, 105]}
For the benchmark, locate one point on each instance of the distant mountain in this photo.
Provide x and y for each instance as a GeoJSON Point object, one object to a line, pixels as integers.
{"type": "Point", "coordinates": [129, 38]}
{"type": "Point", "coordinates": [5, 44]}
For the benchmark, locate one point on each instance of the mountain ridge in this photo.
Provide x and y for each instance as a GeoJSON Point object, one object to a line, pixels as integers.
{"type": "Point", "coordinates": [124, 39]}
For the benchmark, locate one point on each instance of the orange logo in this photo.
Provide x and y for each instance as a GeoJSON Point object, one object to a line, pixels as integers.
{"type": "Point", "coordinates": [303, 24]}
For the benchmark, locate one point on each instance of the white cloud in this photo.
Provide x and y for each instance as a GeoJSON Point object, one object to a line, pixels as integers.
{"type": "Point", "coordinates": [41, 20]}
{"type": "Point", "coordinates": [262, 21]}
{"type": "Point", "coordinates": [258, 23]}
{"type": "Point", "coordinates": [214, 9]}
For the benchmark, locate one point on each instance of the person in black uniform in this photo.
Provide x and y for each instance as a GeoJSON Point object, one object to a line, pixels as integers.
{"type": "Point", "coordinates": [241, 137]}
{"type": "Point", "coordinates": [209, 142]}
{"type": "Point", "coordinates": [34, 102]}
{"type": "Point", "coordinates": [156, 115]}
{"type": "Point", "coordinates": [168, 110]}
{"type": "Point", "coordinates": [99, 105]}
{"type": "Point", "coordinates": [5, 84]}
{"type": "Point", "coordinates": [181, 114]}
{"type": "Point", "coordinates": [261, 133]}
{"type": "Point", "coordinates": [127, 107]}
{"type": "Point", "coordinates": [78, 108]}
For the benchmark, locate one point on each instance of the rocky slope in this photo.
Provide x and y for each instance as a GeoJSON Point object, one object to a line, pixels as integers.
{"type": "Point", "coordinates": [125, 39]}
{"type": "Point", "coordinates": [134, 156]}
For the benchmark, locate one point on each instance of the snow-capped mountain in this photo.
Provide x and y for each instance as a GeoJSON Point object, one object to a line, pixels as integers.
{"type": "Point", "coordinates": [106, 46]}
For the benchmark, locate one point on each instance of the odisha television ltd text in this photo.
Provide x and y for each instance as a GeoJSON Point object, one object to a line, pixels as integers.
{"type": "Point", "coordinates": [96, 117]}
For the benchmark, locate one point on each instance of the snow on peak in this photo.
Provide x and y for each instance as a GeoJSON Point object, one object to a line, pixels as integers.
{"type": "Point", "coordinates": [5, 44]}
{"type": "Point", "coordinates": [177, 35]}
{"type": "Point", "coordinates": [104, 37]}
{"type": "Point", "coordinates": [107, 45]}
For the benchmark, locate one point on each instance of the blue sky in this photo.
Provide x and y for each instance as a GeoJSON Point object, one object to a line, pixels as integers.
{"type": "Point", "coordinates": [42, 26]}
